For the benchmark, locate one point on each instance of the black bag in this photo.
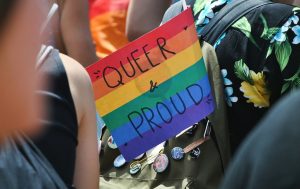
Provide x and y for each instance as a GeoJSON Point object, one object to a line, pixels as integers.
{"type": "Point", "coordinates": [226, 17]}
{"type": "Point", "coordinates": [232, 13]}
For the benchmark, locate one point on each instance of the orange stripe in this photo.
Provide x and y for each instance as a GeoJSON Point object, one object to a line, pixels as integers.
{"type": "Point", "coordinates": [177, 43]}
{"type": "Point", "coordinates": [165, 72]}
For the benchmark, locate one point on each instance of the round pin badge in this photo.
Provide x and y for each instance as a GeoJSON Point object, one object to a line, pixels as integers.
{"type": "Point", "coordinates": [195, 153]}
{"type": "Point", "coordinates": [160, 163]}
{"type": "Point", "coordinates": [111, 143]}
{"type": "Point", "coordinates": [135, 169]}
{"type": "Point", "coordinates": [177, 153]}
{"type": "Point", "coordinates": [119, 161]}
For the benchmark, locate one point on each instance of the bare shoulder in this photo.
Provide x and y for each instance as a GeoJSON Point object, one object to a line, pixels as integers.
{"type": "Point", "coordinates": [80, 85]}
{"type": "Point", "coordinates": [76, 72]}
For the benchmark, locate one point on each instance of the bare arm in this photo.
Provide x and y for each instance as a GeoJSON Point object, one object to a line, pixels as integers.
{"type": "Point", "coordinates": [144, 16]}
{"type": "Point", "coordinates": [76, 31]}
{"type": "Point", "coordinates": [87, 159]}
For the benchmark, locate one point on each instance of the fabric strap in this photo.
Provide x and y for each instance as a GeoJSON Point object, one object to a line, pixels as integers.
{"type": "Point", "coordinates": [228, 16]}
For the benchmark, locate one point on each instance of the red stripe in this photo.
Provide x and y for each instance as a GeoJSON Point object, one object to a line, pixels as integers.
{"type": "Point", "coordinates": [143, 62]}
{"type": "Point", "coordinates": [167, 31]}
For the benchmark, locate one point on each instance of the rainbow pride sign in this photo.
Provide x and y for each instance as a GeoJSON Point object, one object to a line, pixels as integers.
{"type": "Point", "coordinates": [153, 88]}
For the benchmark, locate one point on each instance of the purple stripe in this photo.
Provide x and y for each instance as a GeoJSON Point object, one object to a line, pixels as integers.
{"type": "Point", "coordinates": [150, 139]}
{"type": "Point", "coordinates": [131, 133]}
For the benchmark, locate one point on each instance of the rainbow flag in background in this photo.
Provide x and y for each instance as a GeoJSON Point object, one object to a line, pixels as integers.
{"type": "Point", "coordinates": [107, 25]}
{"type": "Point", "coordinates": [154, 88]}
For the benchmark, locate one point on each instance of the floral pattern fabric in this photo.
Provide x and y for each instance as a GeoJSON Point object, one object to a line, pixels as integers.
{"type": "Point", "coordinates": [260, 61]}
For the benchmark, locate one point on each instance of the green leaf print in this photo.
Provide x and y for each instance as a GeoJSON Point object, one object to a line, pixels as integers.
{"type": "Point", "coordinates": [283, 52]}
{"type": "Point", "coordinates": [242, 71]}
{"type": "Point", "coordinates": [268, 33]}
{"type": "Point", "coordinates": [199, 5]}
{"type": "Point", "coordinates": [270, 50]}
{"type": "Point", "coordinates": [296, 83]}
{"type": "Point", "coordinates": [266, 27]}
{"type": "Point", "coordinates": [244, 26]}
{"type": "Point", "coordinates": [285, 87]}
{"type": "Point", "coordinates": [292, 83]}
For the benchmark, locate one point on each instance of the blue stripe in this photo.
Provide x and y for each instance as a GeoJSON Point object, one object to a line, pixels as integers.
{"type": "Point", "coordinates": [126, 132]}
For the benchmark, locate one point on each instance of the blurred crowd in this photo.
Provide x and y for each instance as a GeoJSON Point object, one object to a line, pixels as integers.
{"type": "Point", "coordinates": [51, 135]}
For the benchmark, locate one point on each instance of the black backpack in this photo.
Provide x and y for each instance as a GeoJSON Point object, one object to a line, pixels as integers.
{"type": "Point", "coordinates": [226, 17]}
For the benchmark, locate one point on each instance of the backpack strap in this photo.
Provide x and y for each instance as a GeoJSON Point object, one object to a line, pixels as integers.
{"type": "Point", "coordinates": [228, 16]}
{"type": "Point", "coordinates": [175, 9]}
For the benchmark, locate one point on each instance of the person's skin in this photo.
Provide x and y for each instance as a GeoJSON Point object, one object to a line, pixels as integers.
{"type": "Point", "coordinates": [87, 159]}
{"type": "Point", "coordinates": [19, 47]}
{"type": "Point", "coordinates": [67, 33]}
{"type": "Point", "coordinates": [144, 16]}
{"type": "Point", "coordinates": [72, 31]}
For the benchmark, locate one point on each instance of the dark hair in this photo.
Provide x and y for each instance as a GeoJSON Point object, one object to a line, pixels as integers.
{"type": "Point", "coordinates": [5, 9]}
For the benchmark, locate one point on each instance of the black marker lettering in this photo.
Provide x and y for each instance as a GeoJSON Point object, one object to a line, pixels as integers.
{"type": "Point", "coordinates": [160, 114]}
{"type": "Point", "coordinates": [147, 56]}
{"type": "Point", "coordinates": [124, 69]}
{"type": "Point", "coordinates": [149, 119]}
{"type": "Point", "coordinates": [136, 126]}
{"type": "Point", "coordinates": [175, 106]}
{"type": "Point", "coordinates": [161, 42]}
{"type": "Point", "coordinates": [135, 59]}
{"type": "Point", "coordinates": [119, 80]}
{"type": "Point", "coordinates": [197, 102]}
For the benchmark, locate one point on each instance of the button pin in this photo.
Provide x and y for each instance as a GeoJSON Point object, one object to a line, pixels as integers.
{"type": "Point", "coordinates": [160, 163]}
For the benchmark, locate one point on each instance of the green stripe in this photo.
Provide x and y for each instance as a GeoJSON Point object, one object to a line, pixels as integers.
{"type": "Point", "coordinates": [165, 90]}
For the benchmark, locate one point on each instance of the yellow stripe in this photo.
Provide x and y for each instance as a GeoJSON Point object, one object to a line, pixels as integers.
{"type": "Point", "coordinates": [140, 85]}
